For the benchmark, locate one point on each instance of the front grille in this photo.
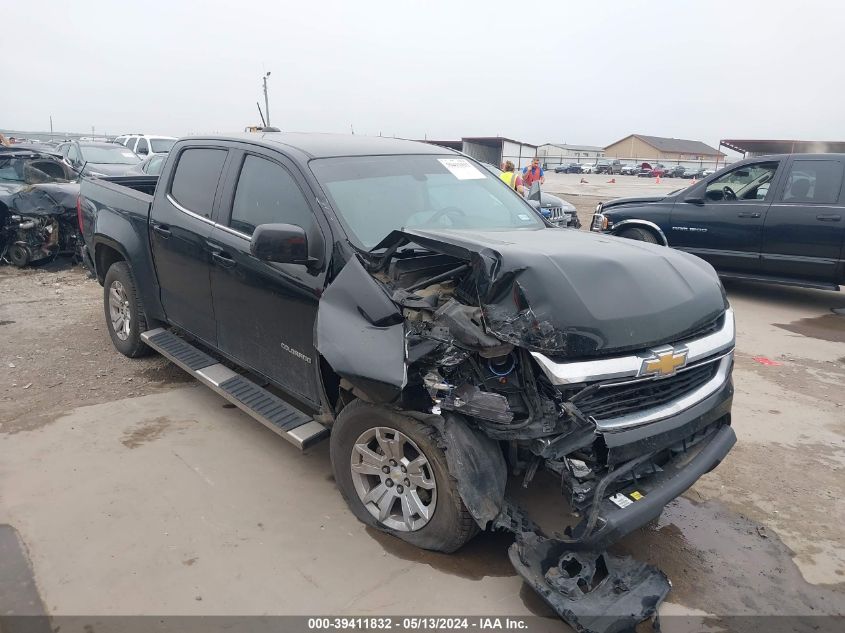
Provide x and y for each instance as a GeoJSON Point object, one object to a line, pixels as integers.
{"type": "Point", "coordinates": [555, 213]}
{"type": "Point", "coordinates": [613, 401]}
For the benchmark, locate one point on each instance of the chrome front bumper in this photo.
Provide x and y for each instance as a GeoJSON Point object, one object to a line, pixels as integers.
{"type": "Point", "coordinates": [716, 347]}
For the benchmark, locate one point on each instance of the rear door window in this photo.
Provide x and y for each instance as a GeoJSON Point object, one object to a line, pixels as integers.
{"type": "Point", "coordinates": [813, 181]}
{"type": "Point", "coordinates": [143, 146]}
{"type": "Point", "coordinates": [196, 177]}
{"type": "Point", "coordinates": [267, 194]}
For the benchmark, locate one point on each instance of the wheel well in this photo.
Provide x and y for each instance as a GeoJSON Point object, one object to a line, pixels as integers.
{"type": "Point", "coordinates": [104, 257]}
{"type": "Point", "coordinates": [642, 227]}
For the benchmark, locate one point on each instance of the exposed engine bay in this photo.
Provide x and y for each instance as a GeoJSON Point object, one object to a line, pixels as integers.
{"type": "Point", "coordinates": [490, 339]}
{"type": "Point", "coordinates": [37, 208]}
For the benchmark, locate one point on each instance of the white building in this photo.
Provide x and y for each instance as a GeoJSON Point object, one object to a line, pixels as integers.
{"type": "Point", "coordinates": [493, 150]}
{"type": "Point", "coordinates": [559, 153]}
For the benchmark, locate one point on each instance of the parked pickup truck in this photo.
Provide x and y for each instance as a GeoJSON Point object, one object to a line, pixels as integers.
{"type": "Point", "coordinates": [400, 297]}
{"type": "Point", "coordinates": [608, 167]}
{"type": "Point", "coordinates": [778, 219]}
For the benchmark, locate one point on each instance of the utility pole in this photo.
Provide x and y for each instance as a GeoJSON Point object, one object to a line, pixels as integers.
{"type": "Point", "coordinates": [266, 98]}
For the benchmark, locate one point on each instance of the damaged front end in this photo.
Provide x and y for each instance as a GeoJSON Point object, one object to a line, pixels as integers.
{"type": "Point", "coordinates": [38, 215]}
{"type": "Point", "coordinates": [620, 389]}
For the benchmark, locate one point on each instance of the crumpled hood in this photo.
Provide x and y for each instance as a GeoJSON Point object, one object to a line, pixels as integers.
{"type": "Point", "coordinates": [576, 293]}
{"type": "Point", "coordinates": [40, 199]}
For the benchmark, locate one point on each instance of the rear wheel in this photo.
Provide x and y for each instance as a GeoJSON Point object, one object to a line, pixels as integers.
{"type": "Point", "coordinates": [124, 311]}
{"type": "Point", "coordinates": [394, 477]}
{"type": "Point", "coordinates": [641, 235]}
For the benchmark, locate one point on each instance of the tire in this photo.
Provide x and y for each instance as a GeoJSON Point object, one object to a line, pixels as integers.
{"type": "Point", "coordinates": [640, 235]}
{"type": "Point", "coordinates": [127, 340]}
{"type": "Point", "coordinates": [450, 524]}
{"type": "Point", "coordinates": [19, 255]}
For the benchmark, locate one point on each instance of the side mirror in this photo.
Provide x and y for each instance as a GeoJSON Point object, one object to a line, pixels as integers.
{"type": "Point", "coordinates": [280, 243]}
{"type": "Point", "coordinates": [697, 201]}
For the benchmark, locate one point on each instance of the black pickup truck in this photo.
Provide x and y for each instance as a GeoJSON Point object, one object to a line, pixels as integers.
{"type": "Point", "coordinates": [778, 219]}
{"type": "Point", "coordinates": [403, 299]}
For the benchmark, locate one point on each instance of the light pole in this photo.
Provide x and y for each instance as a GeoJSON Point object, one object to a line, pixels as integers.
{"type": "Point", "coordinates": [266, 98]}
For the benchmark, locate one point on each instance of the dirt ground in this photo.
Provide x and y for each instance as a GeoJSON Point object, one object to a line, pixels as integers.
{"type": "Point", "coordinates": [119, 474]}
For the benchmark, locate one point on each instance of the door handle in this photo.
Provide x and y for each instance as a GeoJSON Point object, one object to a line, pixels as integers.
{"type": "Point", "coordinates": [223, 260]}
{"type": "Point", "coordinates": [748, 214]}
{"type": "Point", "coordinates": [162, 229]}
{"type": "Point", "coordinates": [829, 217]}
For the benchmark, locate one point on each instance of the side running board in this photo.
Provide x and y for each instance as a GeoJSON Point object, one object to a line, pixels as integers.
{"type": "Point", "coordinates": [273, 412]}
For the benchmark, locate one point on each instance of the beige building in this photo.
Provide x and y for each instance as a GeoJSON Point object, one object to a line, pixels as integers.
{"type": "Point", "coordinates": [640, 146]}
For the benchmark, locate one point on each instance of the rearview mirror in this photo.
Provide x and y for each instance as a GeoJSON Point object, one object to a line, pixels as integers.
{"type": "Point", "coordinates": [280, 243]}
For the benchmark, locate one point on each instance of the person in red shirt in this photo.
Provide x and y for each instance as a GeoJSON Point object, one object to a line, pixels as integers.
{"type": "Point", "coordinates": [533, 174]}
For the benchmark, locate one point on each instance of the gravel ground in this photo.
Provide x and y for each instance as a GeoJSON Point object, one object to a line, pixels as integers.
{"type": "Point", "coordinates": [56, 352]}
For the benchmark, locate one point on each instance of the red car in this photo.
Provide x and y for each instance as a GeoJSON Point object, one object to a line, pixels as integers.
{"type": "Point", "coordinates": [649, 171]}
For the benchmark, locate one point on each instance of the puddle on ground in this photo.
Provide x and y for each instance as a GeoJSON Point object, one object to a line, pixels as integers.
{"type": "Point", "coordinates": [718, 561]}
{"type": "Point", "coordinates": [828, 327]}
{"type": "Point", "coordinates": [151, 430]}
{"type": "Point", "coordinates": [485, 555]}
{"type": "Point", "coordinates": [722, 562]}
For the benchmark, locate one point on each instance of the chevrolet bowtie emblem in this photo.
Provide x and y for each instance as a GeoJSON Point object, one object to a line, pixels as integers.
{"type": "Point", "coordinates": [664, 363]}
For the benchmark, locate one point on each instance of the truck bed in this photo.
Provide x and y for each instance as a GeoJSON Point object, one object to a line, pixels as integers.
{"type": "Point", "coordinates": [132, 194]}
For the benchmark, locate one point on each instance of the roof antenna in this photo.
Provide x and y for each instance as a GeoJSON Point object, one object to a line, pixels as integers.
{"type": "Point", "coordinates": [263, 122]}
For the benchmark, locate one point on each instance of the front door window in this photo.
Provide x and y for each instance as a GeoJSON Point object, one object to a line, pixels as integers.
{"type": "Point", "coordinates": [749, 182]}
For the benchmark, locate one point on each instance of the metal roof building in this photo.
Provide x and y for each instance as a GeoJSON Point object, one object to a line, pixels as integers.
{"type": "Point", "coordinates": [658, 147]}
{"type": "Point", "coordinates": [492, 149]}
{"type": "Point", "coordinates": [761, 147]}
{"type": "Point", "coordinates": [559, 153]}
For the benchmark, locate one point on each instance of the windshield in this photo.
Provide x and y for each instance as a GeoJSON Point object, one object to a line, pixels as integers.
{"type": "Point", "coordinates": [161, 145]}
{"type": "Point", "coordinates": [114, 155]}
{"type": "Point", "coordinates": [374, 195]}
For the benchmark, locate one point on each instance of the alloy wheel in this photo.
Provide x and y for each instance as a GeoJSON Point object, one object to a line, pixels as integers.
{"type": "Point", "coordinates": [393, 478]}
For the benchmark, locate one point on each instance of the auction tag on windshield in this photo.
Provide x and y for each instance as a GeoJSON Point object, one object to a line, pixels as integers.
{"type": "Point", "coordinates": [621, 500]}
{"type": "Point", "coordinates": [461, 168]}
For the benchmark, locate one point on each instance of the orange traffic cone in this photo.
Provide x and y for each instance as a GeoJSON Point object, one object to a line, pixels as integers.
{"type": "Point", "coordinates": [657, 182]}
{"type": "Point", "coordinates": [612, 181]}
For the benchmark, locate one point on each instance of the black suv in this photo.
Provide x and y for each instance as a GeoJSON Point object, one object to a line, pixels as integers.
{"type": "Point", "coordinates": [771, 218]}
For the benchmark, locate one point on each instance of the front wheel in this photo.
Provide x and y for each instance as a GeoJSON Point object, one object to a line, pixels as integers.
{"type": "Point", "coordinates": [394, 477]}
{"type": "Point", "coordinates": [125, 316]}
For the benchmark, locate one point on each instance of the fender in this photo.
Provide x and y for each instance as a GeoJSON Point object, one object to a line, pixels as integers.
{"type": "Point", "coordinates": [645, 224]}
{"type": "Point", "coordinates": [130, 239]}
{"type": "Point", "coordinates": [476, 462]}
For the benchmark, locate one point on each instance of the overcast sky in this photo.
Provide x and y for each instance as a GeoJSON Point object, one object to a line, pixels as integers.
{"type": "Point", "coordinates": [537, 71]}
